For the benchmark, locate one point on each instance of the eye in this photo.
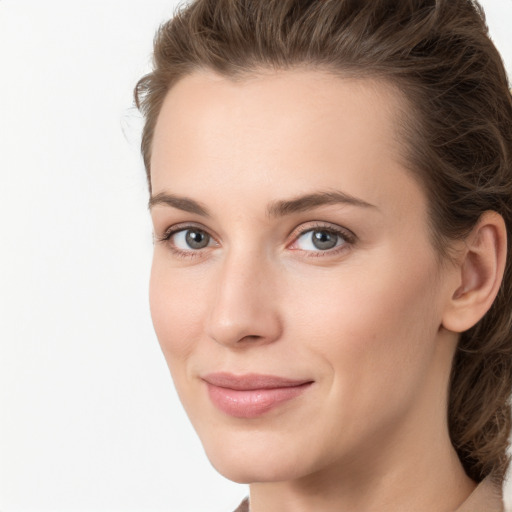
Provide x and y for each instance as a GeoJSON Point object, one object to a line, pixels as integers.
{"type": "Point", "coordinates": [320, 240]}
{"type": "Point", "coordinates": [190, 239]}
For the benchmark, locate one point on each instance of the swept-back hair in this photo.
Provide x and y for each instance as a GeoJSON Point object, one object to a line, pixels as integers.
{"type": "Point", "coordinates": [457, 134]}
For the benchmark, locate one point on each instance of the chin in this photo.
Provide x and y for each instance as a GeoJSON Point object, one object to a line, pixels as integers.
{"type": "Point", "coordinates": [256, 461]}
{"type": "Point", "coordinates": [252, 471]}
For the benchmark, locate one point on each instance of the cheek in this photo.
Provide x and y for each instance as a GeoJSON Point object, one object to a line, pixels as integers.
{"type": "Point", "coordinates": [175, 310]}
{"type": "Point", "coordinates": [375, 329]}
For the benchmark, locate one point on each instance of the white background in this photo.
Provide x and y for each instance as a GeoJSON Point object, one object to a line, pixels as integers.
{"type": "Point", "coordinates": [88, 417]}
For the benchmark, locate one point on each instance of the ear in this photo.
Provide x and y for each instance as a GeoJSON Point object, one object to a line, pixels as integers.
{"type": "Point", "coordinates": [479, 273]}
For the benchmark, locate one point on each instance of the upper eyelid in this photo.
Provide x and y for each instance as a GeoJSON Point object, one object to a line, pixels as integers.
{"type": "Point", "coordinates": [184, 226]}
{"type": "Point", "coordinates": [321, 225]}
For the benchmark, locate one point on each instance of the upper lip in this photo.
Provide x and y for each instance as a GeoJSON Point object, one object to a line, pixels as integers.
{"type": "Point", "coordinates": [250, 381]}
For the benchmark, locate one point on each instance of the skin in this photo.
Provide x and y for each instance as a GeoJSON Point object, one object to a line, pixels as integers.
{"type": "Point", "coordinates": [365, 320]}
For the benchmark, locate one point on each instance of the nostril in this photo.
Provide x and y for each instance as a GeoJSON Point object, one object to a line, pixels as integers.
{"type": "Point", "coordinates": [251, 338]}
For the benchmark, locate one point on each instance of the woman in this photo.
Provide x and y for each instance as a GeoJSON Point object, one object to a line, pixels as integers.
{"type": "Point", "coordinates": [331, 191]}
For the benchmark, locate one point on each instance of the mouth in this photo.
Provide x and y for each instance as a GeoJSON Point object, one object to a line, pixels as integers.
{"type": "Point", "coordinates": [251, 395]}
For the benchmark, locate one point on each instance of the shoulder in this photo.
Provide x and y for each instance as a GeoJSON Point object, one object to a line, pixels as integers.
{"type": "Point", "coordinates": [244, 506]}
{"type": "Point", "coordinates": [487, 497]}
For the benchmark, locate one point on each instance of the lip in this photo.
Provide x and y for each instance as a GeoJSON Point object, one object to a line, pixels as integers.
{"type": "Point", "coordinates": [252, 395]}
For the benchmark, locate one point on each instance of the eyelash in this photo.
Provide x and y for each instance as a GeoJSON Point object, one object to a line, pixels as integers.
{"type": "Point", "coordinates": [173, 230]}
{"type": "Point", "coordinates": [349, 239]}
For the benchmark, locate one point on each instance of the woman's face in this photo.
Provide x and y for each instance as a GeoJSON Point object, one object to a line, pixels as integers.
{"type": "Point", "coordinates": [294, 290]}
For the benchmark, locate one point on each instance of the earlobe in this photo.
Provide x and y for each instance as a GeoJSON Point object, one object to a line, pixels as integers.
{"type": "Point", "coordinates": [480, 273]}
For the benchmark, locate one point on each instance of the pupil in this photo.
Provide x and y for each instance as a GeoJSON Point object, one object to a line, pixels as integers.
{"type": "Point", "coordinates": [324, 240]}
{"type": "Point", "coordinates": [197, 239]}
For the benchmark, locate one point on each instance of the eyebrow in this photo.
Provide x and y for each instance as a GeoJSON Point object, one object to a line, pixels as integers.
{"type": "Point", "coordinates": [279, 208]}
{"type": "Point", "coordinates": [310, 201]}
{"type": "Point", "coordinates": [181, 203]}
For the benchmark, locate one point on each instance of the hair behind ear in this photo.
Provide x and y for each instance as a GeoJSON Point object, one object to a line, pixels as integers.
{"type": "Point", "coordinates": [479, 406]}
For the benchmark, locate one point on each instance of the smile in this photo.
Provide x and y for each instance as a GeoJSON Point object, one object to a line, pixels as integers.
{"type": "Point", "coordinates": [250, 396]}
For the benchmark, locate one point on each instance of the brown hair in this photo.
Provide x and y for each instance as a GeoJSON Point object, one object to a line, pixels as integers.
{"type": "Point", "coordinates": [458, 139]}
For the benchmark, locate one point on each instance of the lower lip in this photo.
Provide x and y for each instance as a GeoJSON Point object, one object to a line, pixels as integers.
{"type": "Point", "coordinates": [253, 402]}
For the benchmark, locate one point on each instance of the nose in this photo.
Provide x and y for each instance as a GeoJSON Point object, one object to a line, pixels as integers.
{"type": "Point", "coordinates": [245, 308]}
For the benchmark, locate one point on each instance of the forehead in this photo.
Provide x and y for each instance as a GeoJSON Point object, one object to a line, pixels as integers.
{"type": "Point", "coordinates": [290, 130]}
{"type": "Point", "coordinates": [300, 102]}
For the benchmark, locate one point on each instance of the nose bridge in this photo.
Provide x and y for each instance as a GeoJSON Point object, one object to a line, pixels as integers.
{"type": "Point", "coordinates": [244, 307]}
